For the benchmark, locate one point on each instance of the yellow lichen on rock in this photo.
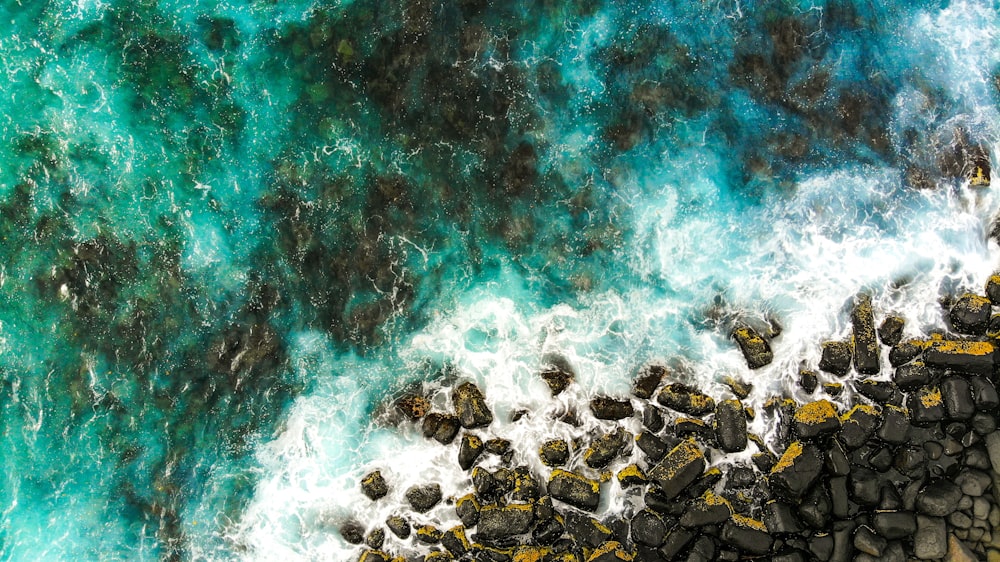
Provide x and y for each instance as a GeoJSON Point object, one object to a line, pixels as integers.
{"type": "Point", "coordinates": [560, 473]}
{"type": "Point", "coordinates": [860, 408]}
{"type": "Point", "coordinates": [815, 412]}
{"type": "Point", "coordinates": [930, 397]}
{"type": "Point", "coordinates": [788, 457]}
{"type": "Point", "coordinates": [749, 522]}
{"type": "Point", "coordinates": [530, 554]}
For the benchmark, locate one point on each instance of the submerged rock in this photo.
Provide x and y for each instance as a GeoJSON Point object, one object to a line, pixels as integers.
{"type": "Point", "coordinates": [648, 380]}
{"type": "Point", "coordinates": [558, 374]}
{"type": "Point", "coordinates": [755, 348]}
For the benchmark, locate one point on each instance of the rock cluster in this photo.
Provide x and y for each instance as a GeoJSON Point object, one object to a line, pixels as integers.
{"type": "Point", "coordinates": [905, 472]}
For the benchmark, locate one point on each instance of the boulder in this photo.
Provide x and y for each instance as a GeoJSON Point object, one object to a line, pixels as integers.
{"type": "Point", "coordinates": [796, 470]}
{"type": "Point", "coordinates": [739, 387]}
{"type": "Point", "coordinates": [607, 408]}
{"type": "Point", "coordinates": [399, 526]}
{"type": "Point", "coordinates": [586, 531]}
{"type": "Point", "coordinates": [648, 528]}
{"type": "Point", "coordinates": [970, 315]}
{"type": "Point", "coordinates": [554, 452]}
{"type": "Point", "coordinates": [610, 551]}
{"type": "Point", "coordinates": [467, 508]}
{"type": "Point", "coordinates": [746, 534]}
{"type": "Point", "coordinates": [469, 449]}
{"type": "Point", "coordinates": [605, 448]}
{"type": "Point", "coordinates": [470, 406]}
{"type": "Point", "coordinates": [413, 406]}
{"type": "Point", "coordinates": [939, 498]}
{"type": "Point", "coordinates": [455, 541]}
{"type": "Point", "coordinates": [352, 532]}
{"type": "Point", "coordinates": [679, 468]}
{"type": "Point", "coordinates": [441, 427]}
{"type": "Point", "coordinates": [912, 375]}
{"type": "Point", "coordinates": [961, 356]}
{"type": "Point", "coordinates": [895, 425]}
{"type": "Point", "coordinates": [835, 358]}
{"type": "Point", "coordinates": [373, 485]}
{"type": "Point", "coordinates": [957, 396]}
{"type": "Point", "coordinates": [890, 332]}
{"type": "Point", "coordinates": [866, 349]}
{"type": "Point", "coordinates": [652, 446]}
{"type": "Point", "coordinates": [423, 498]}
{"type": "Point", "coordinates": [755, 348]}
{"type": "Point", "coordinates": [930, 542]}
{"type": "Point", "coordinates": [894, 525]}
{"type": "Point", "coordinates": [685, 399]}
{"type": "Point", "coordinates": [652, 418]}
{"type": "Point", "coordinates": [781, 518]}
{"type": "Point", "coordinates": [428, 534]}
{"type": "Point", "coordinates": [707, 509]}
{"type": "Point", "coordinates": [877, 391]}
{"type": "Point", "coordinates": [815, 419]}
{"type": "Point", "coordinates": [858, 425]}
{"type": "Point", "coordinates": [631, 475]}
{"type": "Point", "coordinates": [905, 351]}
{"type": "Point", "coordinates": [502, 521]}
{"type": "Point", "coordinates": [868, 542]}
{"type": "Point", "coordinates": [648, 380]}
{"type": "Point", "coordinates": [984, 394]}
{"type": "Point", "coordinates": [574, 489]}
{"type": "Point", "coordinates": [731, 426]}
{"type": "Point", "coordinates": [808, 380]}
{"type": "Point", "coordinates": [925, 405]}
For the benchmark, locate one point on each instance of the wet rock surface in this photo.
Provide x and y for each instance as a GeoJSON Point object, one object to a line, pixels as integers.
{"type": "Point", "coordinates": [901, 464]}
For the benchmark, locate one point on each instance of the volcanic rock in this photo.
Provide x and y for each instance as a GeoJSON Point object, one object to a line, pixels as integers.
{"type": "Point", "coordinates": [498, 522]}
{"type": "Point", "coordinates": [731, 426]}
{"type": "Point", "coordinates": [470, 406]}
{"type": "Point", "coordinates": [648, 380]}
{"type": "Point", "coordinates": [835, 358]}
{"type": "Point", "coordinates": [891, 330]}
{"type": "Point", "coordinates": [868, 542]}
{"type": "Point", "coordinates": [423, 498]}
{"type": "Point", "coordinates": [938, 498]}
{"type": "Point", "coordinates": [746, 534]}
{"type": "Point", "coordinates": [685, 399]}
{"type": "Point", "coordinates": [970, 315]}
{"type": "Point", "coordinates": [957, 396]}
{"type": "Point", "coordinates": [961, 356]}
{"type": "Point", "coordinates": [877, 391]}
{"type": "Point", "coordinates": [866, 349]}
{"type": "Point", "coordinates": [558, 375]}
{"type": "Point", "coordinates": [895, 425]}
{"type": "Point", "coordinates": [796, 470]}
{"type": "Point", "coordinates": [904, 352]}
{"type": "Point", "coordinates": [648, 528]}
{"type": "Point", "coordinates": [606, 408]}
{"type": "Point", "coordinates": [911, 375]}
{"type": "Point", "coordinates": [679, 468]}
{"type": "Point", "coordinates": [631, 475]}
{"type": "Point", "coordinates": [456, 542]}
{"type": "Point", "coordinates": [781, 518]}
{"type": "Point", "coordinates": [373, 485]}
{"type": "Point", "coordinates": [413, 406]}
{"type": "Point", "coordinates": [925, 405]}
{"type": "Point", "coordinates": [574, 489]}
{"type": "Point", "coordinates": [984, 394]}
{"type": "Point", "coordinates": [894, 524]}
{"type": "Point", "coordinates": [586, 531]}
{"type": "Point", "coordinates": [808, 380]}
{"type": "Point", "coordinates": [399, 526]}
{"type": "Point", "coordinates": [353, 532]}
{"type": "Point", "coordinates": [441, 427]}
{"type": "Point", "coordinates": [554, 452]}
{"type": "Point", "coordinates": [652, 418]}
{"type": "Point", "coordinates": [469, 449]}
{"type": "Point", "coordinates": [815, 419]}
{"type": "Point", "coordinates": [755, 348]}
{"type": "Point", "coordinates": [605, 448]}
{"type": "Point", "coordinates": [467, 508]}
{"type": "Point", "coordinates": [707, 509]}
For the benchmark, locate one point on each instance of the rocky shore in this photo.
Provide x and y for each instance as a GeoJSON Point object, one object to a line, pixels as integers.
{"type": "Point", "coordinates": [907, 470]}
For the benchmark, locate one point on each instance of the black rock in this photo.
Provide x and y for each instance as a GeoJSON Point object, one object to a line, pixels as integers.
{"type": "Point", "coordinates": [586, 531]}
{"type": "Point", "coordinates": [910, 461]}
{"type": "Point", "coordinates": [970, 315]}
{"type": "Point", "coordinates": [821, 545]}
{"type": "Point", "coordinates": [469, 449]}
{"type": "Point", "coordinates": [792, 556]}
{"type": "Point", "coordinates": [525, 487]}
{"type": "Point", "coordinates": [423, 498]}
{"type": "Point", "coordinates": [648, 528]}
{"type": "Point", "coordinates": [865, 486]}
{"type": "Point", "coordinates": [375, 538]}
{"type": "Point", "coordinates": [574, 489]}
{"type": "Point", "coordinates": [891, 500]}
{"type": "Point", "coordinates": [904, 352]}
{"type": "Point", "coordinates": [739, 387]}
{"type": "Point", "coordinates": [731, 426]}
{"type": "Point", "coordinates": [815, 507]}
{"type": "Point", "coordinates": [428, 534]}
{"type": "Point", "coordinates": [605, 448]}
{"type": "Point", "coordinates": [868, 542]}
{"type": "Point", "coordinates": [703, 550]}
{"type": "Point", "coordinates": [755, 348]}
{"type": "Point", "coordinates": [739, 477]}
{"type": "Point", "coordinates": [833, 389]}
{"type": "Point", "coordinates": [977, 458]}
{"type": "Point", "coordinates": [693, 427]}
{"type": "Point", "coordinates": [609, 551]}
{"type": "Point", "coordinates": [455, 541]}
{"type": "Point", "coordinates": [652, 445]}
{"type": "Point", "coordinates": [912, 375]}
{"type": "Point", "coordinates": [930, 542]}
{"type": "Point", "coordinates": [808, 381]}
{"type": "Point", "coordinates": [983, 424]}
{"type": "Point", "coordinates": [984, 394]}
{"type": "Point", "coordinates": [652, 418]}
{"type": "Point", "coordinates": [764, 461]}
{"type": "Point", "coordinates": [353, 532]}
{"type": "Point", "coordinates": [685, 399]}
{"type": "Point", "coordinates": [632, 475]}
{"type": "Point", "coordinates": [554, 452]}
{"type": "Point", "coordinates": [373, 556]}
{"type": "Point", "coordinates": [607, 408]}
{"type": "Point", "coordinates": [441, 427]}
{"type": "Point", "coordinates": [866, 349]}
{"type": "Point", "coordinates": [746, 534]}
{"type": "Point", "coordinates": [399, 526]}
{"type": "Point", "coordinates": [497, 446]}
{"type": "Point", "coordinates": [498, 522]}
{"type": "Point", "coordinates": [972, 482]}
{"type": "Point", "coordinates": [373, 485]}
{"type": "Point", "coordinates": [837, 462]}
{"type": "Point", "coordinates": [558, 374]}
{"type": "Point", "coordinates": [487, 486]}
{"type": "Point", "coordinates": [675, 541]}
{"type": "Point", "coordinates": [881, 459]}
{"type": "Point", "coordinates": [797, 469]}
{"type": "Point", "coordinates": [993, 289]}
{"type": "Point", "coordinates": [648, 381]}
{"type": "Point", "coordinates": [470, 406]}
{"type": "Point", "coordinates": [891, 330]}
{"type": "Point", "coordinates": [816, 419]}
{"type": "Point", "coordinates": [679, 468]}
{"type": "Point", "coordinates": [877, 391]}
{"type": "Point", "coordinates": [781, 518]}
{"type": "Point", "coordinates": [938, 498]}
{"type": "Point", "coordinates": [957, 396]}
{"type": "Point", "coordinates": [839, 503]}
{"type": "Point", "coordinates": [707, 509]}
{"type": "Point", "coordinates": [547, 532]}
{"type": "Point", "coordinates": [842, 543]}
{"type": "Point", "coordinates": [836, 358]}
{"type": "Point", "coordinates": [895, 425]}
{"type": "Point", "coordinates": [961, 356]}
{"type": "Point", "coordinates": [926, 406]}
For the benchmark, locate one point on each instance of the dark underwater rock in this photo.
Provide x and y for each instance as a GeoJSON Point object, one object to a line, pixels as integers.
{"type": "Point", "coordinates": [648, 380]}
{"type": "Point", "coordinates": [353, 532]}
{"type": "Point", "coordinates": [470, 406]}
{"type": "Point", "coordinates": [558, 374]}
{"type": "Point", "coordinates": [413, 407]}
{"type": "Point", "coordinates": [399, 526]}
{"type": "Point", "coordinates": [755, 348]}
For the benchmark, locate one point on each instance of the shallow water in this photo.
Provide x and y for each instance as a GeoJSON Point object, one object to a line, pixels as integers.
{"type": "Point", "coordinates": [232, 230]}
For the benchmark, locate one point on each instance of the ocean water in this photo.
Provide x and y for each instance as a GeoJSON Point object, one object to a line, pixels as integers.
{"type": "Point", "coordinates": [232, 232]}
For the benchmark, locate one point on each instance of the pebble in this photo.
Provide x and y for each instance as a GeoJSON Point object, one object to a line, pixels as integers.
{"type": "Point", "coordinates": [931, 540]}
{"type": "Point", "coordinates": [994, 517]}
{"type": "Point", "coordinates": [993, 448]}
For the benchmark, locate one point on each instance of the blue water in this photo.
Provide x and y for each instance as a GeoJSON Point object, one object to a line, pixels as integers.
{"type": "Point", "coordinates": [231, 230]}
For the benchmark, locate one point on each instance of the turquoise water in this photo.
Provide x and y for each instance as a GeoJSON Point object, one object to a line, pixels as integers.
{"type": "Point", "coordinates": [230, 230]}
